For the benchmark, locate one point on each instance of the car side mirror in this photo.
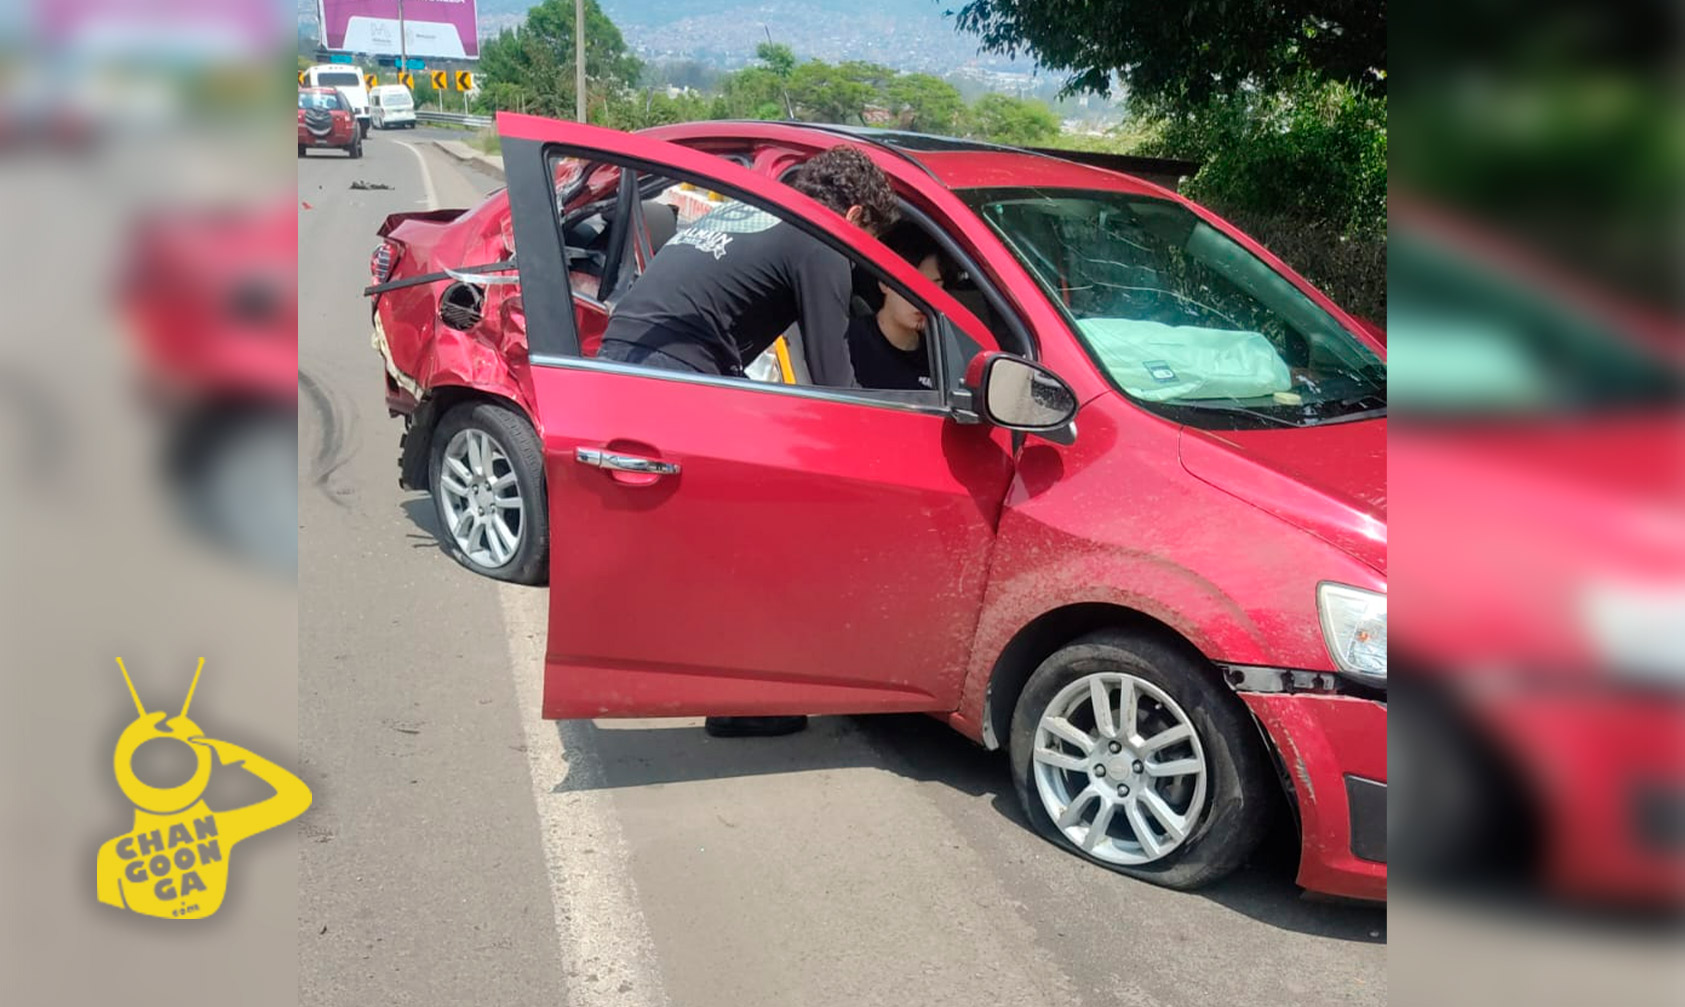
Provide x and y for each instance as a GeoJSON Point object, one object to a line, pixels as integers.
{"type": "Point", "coordinates": [1018, 394]}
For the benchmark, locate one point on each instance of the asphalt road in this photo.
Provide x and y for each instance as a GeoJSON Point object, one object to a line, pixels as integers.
{"type": "Point", "coordinates": [463, 851]}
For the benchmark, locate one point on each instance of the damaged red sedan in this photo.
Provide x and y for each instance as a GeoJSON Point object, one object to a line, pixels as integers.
{"type": "Point", "coordinates": [1134, 531]}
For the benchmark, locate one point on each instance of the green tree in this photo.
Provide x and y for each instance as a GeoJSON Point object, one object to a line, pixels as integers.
{"type": "Point", "coordinates": [535, 66]}
{"type": "Point", "coordinates": [1182, 55]}
{"type": "Point", "coordinates": [874, 75]}
{"type": "Point", "coordinates": [825, 93]}
{"type": "Point", "coordinates": [778, 57]}
{"type": "Point", "coordinates": [924, 104]}
{"type": "Point", "coordinates": [754, 93]}
{"type": "Point", "coordinates": [651, 107]}
{"type": "Point", "coordinates": [780, 61]}
{"type": "Point", "coordinates": [1001, 118]}
{"type": "Point", "coordinates": [1315, 151]}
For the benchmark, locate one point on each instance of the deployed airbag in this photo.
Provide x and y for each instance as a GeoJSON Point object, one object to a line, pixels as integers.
{"type": "Point", "coordinates": [1162, 363]}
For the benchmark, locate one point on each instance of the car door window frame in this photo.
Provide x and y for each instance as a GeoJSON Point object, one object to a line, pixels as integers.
{"type": "Point", "coordinates": [941, 400]}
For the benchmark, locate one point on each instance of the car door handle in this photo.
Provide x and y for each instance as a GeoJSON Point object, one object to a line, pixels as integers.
{"type": "Point", "coordinates": [599, 459]}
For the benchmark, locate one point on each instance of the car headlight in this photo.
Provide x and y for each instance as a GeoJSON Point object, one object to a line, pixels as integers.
{"type": "Point", "coordinates": [1354, 623]}
{"type": "Point", "coordinates": [1637, 629]}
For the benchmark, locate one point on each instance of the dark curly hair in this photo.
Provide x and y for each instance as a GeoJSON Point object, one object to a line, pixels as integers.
{"type": "Point", "coordinates": [843, 177]}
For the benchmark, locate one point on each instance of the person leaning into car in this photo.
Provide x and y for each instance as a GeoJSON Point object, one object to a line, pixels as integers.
{"type": "Point", "coordinates": [718, 294]}
{"type": "Point", "coordinates": [724, 290]}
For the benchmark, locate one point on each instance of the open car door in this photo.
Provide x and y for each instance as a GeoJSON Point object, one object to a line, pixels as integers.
{"type": "Point", "coordinates": [726, 547]}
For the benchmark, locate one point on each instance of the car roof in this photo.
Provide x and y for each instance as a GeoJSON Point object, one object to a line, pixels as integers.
{"type": "Point", "coordinates": [955, 162]}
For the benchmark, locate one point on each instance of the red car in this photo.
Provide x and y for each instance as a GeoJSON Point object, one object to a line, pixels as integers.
{"type": "Point", "coordinates": [325, 119]}
{"type": "Point", "coordinates": [1540, 724]}
{"type": "Point", "coordinates": [211, 300]}
{"type": "Point", "coordinates": [1135, 533]}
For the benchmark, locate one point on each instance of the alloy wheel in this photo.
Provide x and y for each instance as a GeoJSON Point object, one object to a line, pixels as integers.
{"type": "Point", "coordinates": [480, 498]}
{"type": "Point", "coordinates": [1119, 768]}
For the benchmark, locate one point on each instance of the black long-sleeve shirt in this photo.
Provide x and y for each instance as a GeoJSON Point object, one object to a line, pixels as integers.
{"type": "Point", "coordinates": [722, 291]}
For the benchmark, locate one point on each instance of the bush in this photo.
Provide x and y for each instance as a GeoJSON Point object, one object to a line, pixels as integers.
{"type": "Point", "coordinates": [1317, 152]}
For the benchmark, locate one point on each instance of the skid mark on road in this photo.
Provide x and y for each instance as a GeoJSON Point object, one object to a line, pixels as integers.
{"type": "Point", "coordinates": [338, 419]}
{"type": "Point", "coordinates": [606, 948]}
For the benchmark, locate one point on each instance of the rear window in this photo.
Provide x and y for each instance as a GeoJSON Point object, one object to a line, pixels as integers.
{"type": "Point", "coordinates": [317, 99]}
{"type": "Point", "coordinates": [339, 78]}
{"type": "Point", "coordinates": [395, 99]}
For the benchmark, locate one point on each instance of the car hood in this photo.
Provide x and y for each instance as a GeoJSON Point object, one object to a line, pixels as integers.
{"type": "Point", "coordinates": [1329, 480]}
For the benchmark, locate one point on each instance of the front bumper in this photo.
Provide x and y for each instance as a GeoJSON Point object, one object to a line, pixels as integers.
{"type": "Point", "coordinates": [1604, 765]}
{"type": "Point", "coordinates": [1333, 752]}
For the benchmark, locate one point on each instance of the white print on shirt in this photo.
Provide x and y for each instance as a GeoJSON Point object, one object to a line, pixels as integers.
{"type": "Point", "coordinates": [713, 233]}
{"type": "Point", "coordinates": [711, 242]}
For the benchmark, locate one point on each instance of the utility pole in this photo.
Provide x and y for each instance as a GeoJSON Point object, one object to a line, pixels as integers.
{"type": "Point", "coordinates": [403, 41]}
{"type": "Point", "coordinates": [579, 57]}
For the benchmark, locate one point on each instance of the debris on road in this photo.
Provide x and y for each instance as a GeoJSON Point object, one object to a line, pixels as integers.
{"type": "Point", "coordinates": [362, 185]}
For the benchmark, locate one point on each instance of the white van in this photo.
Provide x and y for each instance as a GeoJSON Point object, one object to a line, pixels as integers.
{"type": "Point", "coordinates": [348, 79]}
{"type": "Point", "coordinates": [392, 107]}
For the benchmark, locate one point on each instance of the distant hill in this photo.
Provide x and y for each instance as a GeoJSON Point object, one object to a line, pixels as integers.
{"type": "Point", "coordinates": [904, 34]}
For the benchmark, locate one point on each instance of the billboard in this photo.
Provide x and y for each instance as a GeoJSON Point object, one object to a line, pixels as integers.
{"type": "Point", "coordinates": [439, 28]}
{"type": "Point", "coordinates": [239, 29]}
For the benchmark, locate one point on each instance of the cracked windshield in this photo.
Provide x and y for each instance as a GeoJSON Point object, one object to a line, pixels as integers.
{"type": "Point", "coordinates": [1180, 316]}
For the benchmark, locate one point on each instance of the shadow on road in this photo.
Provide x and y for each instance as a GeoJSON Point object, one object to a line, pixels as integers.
{"type": "Point", "coordinates": [644, 753]}
{"type": "Point", "coordinates": [425, 516]}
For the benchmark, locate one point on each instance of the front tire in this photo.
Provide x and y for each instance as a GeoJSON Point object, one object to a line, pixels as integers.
{"type": "Point", "coordinates": [1131, 753]}
{"type": "Point", "coordinates": [486, 474]}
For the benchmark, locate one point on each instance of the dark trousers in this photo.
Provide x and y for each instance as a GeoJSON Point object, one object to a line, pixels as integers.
{"type": "Point", "coordinates": [647, 356]}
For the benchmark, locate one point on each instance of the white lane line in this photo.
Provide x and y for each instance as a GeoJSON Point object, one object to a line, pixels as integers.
{"type": "Point", "coordinates": [600, 924]}
{"type": "Point", "coordinates": [426, 175]}
{"type": "Point", "coordinates": [608, 956]}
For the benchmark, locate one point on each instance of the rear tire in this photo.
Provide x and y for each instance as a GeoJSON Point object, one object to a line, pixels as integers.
{"type": "Point", "coordinates": [301, 150]}
{"type": "Point", "coordinates": [356, 149]}
{"type": "Point", "coordinates": [463, 434]}
{"type": "Point", "coordinates": [1220, 811]}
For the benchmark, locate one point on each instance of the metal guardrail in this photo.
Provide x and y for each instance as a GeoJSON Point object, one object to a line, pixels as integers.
{"type": "Point", "coordinates": [454, 118]}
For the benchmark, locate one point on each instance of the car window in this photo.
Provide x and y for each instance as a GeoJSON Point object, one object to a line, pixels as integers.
{"type": "Point", "coordinates": [706, 222]}
{"type": "Point", "coordinates": [338, 78]}
{"type": "Point", "coordinates": [308, 100]}
{"type": "Point", "coordinates": [1472, 342]}
{"type": "Point", "coordinates": [1180, 316]}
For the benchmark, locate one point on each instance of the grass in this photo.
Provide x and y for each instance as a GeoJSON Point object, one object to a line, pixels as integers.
{"type": "Point", "coordinates": [487, 141]}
